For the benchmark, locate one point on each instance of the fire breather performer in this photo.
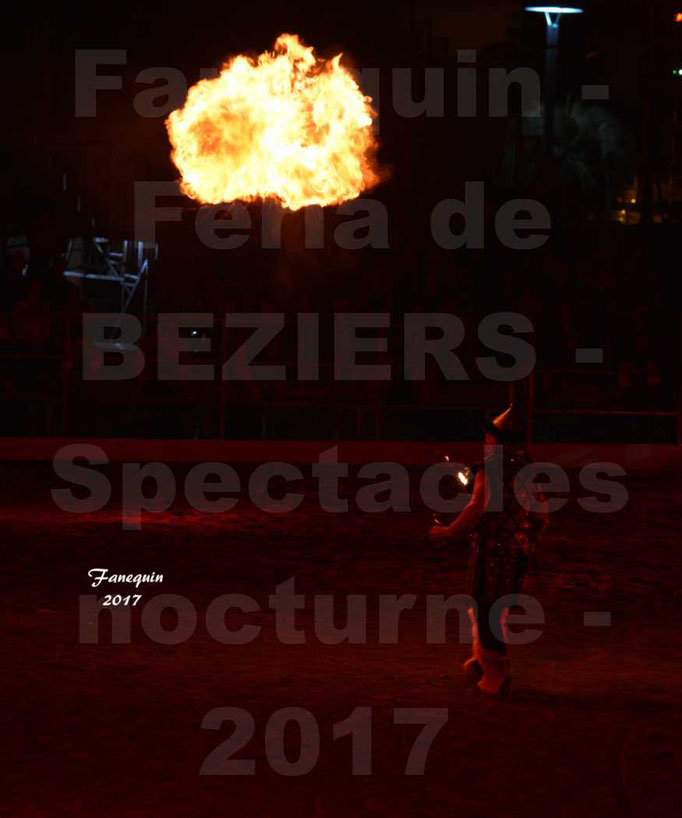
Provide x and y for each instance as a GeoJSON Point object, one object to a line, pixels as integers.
{"type": "Point", "coordinates": [503, 520]}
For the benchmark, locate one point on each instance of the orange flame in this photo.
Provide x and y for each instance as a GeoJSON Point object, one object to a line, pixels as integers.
{"type": "Point", "coordinates": [287, 126]}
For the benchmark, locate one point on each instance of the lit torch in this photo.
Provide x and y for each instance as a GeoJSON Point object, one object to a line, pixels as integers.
{"type": "Point", "coordinates": [463, 475]}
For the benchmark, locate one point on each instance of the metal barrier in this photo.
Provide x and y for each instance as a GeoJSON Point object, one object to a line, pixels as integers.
{"type": "Point", "coordinates": [65, 395]}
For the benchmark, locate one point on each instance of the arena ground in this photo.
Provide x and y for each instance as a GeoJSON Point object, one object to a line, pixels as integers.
{"type": "Point", "coordinates": [114, 730]}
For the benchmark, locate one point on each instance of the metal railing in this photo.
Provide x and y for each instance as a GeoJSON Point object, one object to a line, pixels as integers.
{"type": "Point", "coordinates": [53, 379]}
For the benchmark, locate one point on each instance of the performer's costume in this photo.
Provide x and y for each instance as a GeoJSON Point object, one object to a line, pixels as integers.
{"type": "Point", "coordinates": [502, 543]}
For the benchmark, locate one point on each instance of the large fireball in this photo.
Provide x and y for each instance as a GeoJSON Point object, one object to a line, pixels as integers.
{"type": "Point", "coordinates": [287, 126]}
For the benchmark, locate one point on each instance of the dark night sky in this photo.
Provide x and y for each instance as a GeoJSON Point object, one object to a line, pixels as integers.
{"type": "Point", "coordinates": [38, 43]}
{"type": "Point", "coordinates": [38, 46]}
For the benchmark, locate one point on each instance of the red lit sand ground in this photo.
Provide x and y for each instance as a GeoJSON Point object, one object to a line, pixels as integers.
{"type": "Point", "coordinates": [593, 727]}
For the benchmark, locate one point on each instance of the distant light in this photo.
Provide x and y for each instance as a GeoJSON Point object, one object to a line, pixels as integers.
{"type": "Point", "coordinates": [678, 17]}
{"type": "Point", "coordinates": [557, 9]}
{"type": "Point", "coordinates": [633, 201]}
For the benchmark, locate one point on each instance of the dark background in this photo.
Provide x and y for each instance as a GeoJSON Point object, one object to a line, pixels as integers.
{"type": "Point", "coordinates": [606, 278]}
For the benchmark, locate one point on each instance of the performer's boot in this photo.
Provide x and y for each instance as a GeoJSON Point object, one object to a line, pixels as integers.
{"type": "Point", "coordinates": [473, 672]}
{"type": "Point", "coordinates": [496, 679]}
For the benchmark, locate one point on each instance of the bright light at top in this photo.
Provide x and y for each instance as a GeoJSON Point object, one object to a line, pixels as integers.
{"type": "Point", "coordinates": [555, 9]}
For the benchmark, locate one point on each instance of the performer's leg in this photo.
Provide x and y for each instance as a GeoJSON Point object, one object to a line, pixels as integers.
{"type": "Point", "coordinates": [494, 663]}
{"type": "Point", "coordinates": [493, 639]}
{"type": "Point", "coordinates": [473, 671]}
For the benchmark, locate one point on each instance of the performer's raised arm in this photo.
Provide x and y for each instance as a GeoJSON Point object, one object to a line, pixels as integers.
{"type": "Point", "coordinates": [470, 514]}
